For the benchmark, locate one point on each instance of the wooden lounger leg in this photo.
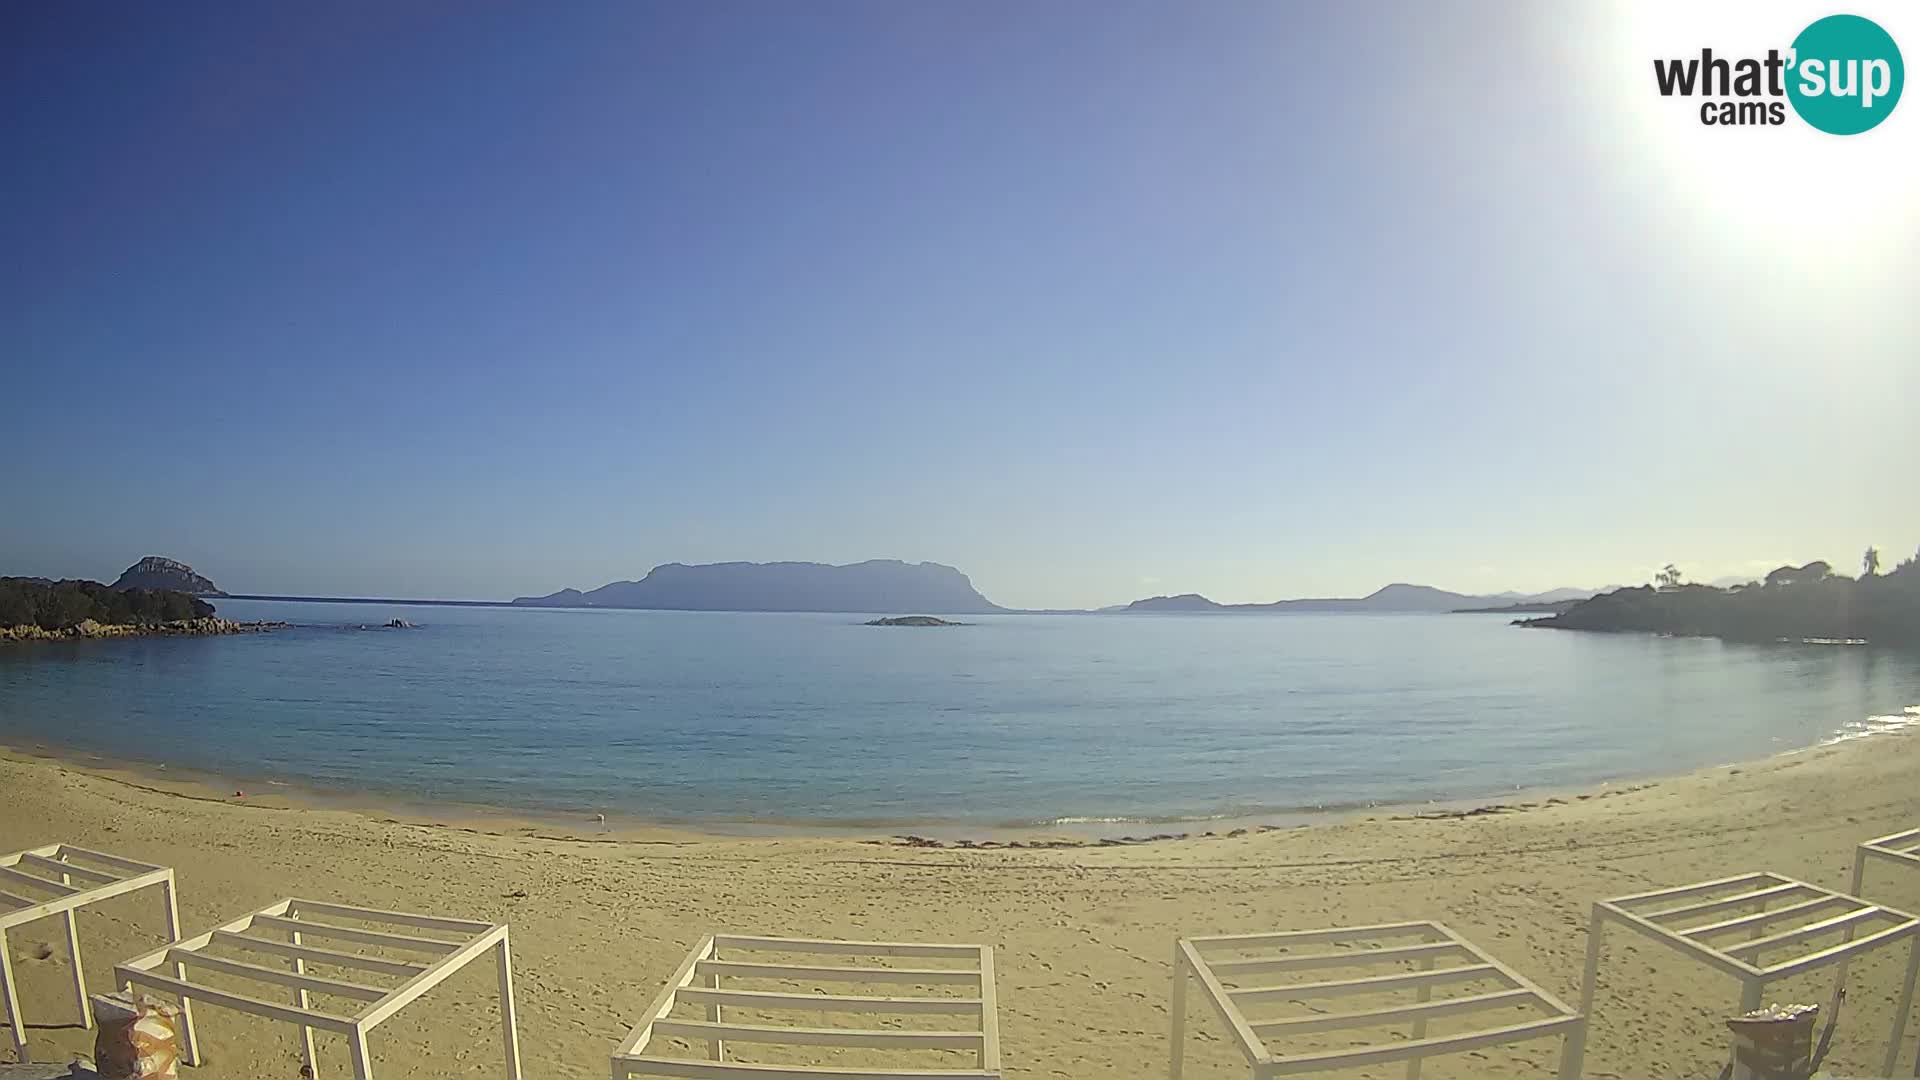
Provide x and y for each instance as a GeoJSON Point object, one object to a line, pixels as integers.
{"type": "Point", "coordinates": [503, 955]}
{"type": "Point", "coordinates": [362, 1061]}
{"type": "Point", "coordinates": [302, 999]}
{"type": "Point", "coordinates": [18, 1028]}
{"type": "Point", "coordinates": [180, 971]}
{"type": "Point", "coordinates": [1178, 1033]}
{"type": "Point", "coordinates": [73, 950]}
{"type": "Point", "coordinates": [1571, 1049]}
{"type": "Point", "coordinates": [1906, 1005]}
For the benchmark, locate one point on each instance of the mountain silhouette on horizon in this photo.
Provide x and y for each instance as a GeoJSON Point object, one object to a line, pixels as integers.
{"type": "Point", "coordinates": [1397, 597]}
{"type": "Point", "coordinates": [879, 586]}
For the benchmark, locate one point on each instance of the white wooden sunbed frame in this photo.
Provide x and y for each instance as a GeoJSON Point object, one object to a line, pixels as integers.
{"type": "Point", "coordinates": [699, 981]}
{"type": "Point", "coordinates": [1735, 913]}
{"type": "Point", "coordinates": [292, 923]}
{"type": "Point", "coordinates": [1901, 847]}
{"type": "Point", "coordinates": [1228, 984]}
{"type": "Point", "coordinates": [76, 877]}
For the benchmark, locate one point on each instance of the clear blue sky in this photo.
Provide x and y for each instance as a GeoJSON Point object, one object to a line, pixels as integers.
{"type": "Point", "coordinates": [1093, 301]}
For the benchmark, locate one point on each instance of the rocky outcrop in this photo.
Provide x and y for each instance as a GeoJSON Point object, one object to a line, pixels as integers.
{"type": "Point", "coordinates": [157, 572]}
{"type": "Point", "coordinates": [87, 629]}
{"type": "Point", "coordinates": [914, 620]}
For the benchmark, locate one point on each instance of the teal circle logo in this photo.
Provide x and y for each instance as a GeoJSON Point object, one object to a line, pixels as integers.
{"type": "Point", "coordinates": [1847, 74]}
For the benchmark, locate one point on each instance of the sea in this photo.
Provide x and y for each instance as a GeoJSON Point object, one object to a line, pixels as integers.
{"type": "Point", "coordinates": [731, 719]}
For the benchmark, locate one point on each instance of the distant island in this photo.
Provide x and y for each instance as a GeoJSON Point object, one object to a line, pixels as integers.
{"type": "Point", "coordinates": [157, 572]}
{"type": "Point", "coordinates": [886, 586]}
{"type": "Point", "coordinates": [1398, 597]}
{"type": "Point", "coordinates": [1794, 603]}
{"type": "Point", "coordinates": [912, 620]}
{"type": "Point", "coordinates": [1525, 607]}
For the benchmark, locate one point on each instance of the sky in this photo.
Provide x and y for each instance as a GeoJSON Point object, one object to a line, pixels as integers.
{"type": "Point", "coordinates": [1091, 300]}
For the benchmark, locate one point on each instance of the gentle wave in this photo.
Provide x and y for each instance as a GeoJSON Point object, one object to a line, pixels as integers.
{"type": "Point", "coordinates": [1876, 725]}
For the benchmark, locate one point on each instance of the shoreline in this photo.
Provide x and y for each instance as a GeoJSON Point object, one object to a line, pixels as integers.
{"type": "Point", "coordinates": [1081, 935]}
{"type": "Point", "coordinates": [511, 821]}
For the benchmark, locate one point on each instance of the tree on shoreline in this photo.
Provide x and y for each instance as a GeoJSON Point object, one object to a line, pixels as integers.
{"type": "Point", "coordinates": [58, 605]}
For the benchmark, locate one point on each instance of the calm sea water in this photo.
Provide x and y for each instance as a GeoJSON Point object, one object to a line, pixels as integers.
{"type": "Point", "coordinates": [710, 717]}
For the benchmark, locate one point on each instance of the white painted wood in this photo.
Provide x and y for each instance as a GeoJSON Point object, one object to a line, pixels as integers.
{"type": "Point", "coordinates": [1302, 1025]}
{"type": "Point", "coordinates": [1728, 903]}
{"type": "Point", "coordinates": [1371, 984]}
{"type": "Point", "coordinates": [1761, 918]}
{"type": "Point", "coordinates": [1300, 937]}
{"type": "Point", "coordinates": [1227, 969]}
{"type": "Point", "coordinates": [311, 983]}
{"type": "Point", "coordinates": [1811, 930]}
{"type": "Point", "coordinates": [55, 866]}
{"type": "Point", "coordinates": [1696, 889]}
{"type": "Point", "coordinates": [1443, 1044]}
{"type": "Point", "coordinates": [16, 1022]}
{"type": "Point", "coordinates": [117, 862]}
{"type": "Point", "coordinates": [873, 1038]}
{"type": "Point", "coordinates": [22, 878]}
{"type": "Point", "coordinates": [774, 999]}
{"type": "Point", "coordinates": [95, 885]}
{"type": "Point", "coordinates": [379, 1002]}
{"type": "Point", "coordinates": [700, 982]}
{"type": "Point", "coordinates": [989, 1013]}
{"type": "Point", "coordinates": [430, 978]}
{"type": "Point", "coordinates": [354, 934]}
{"type": "Point", "coordinates": [861, 948]}
{"type": "Point", "coordinates": [303, 908]}
{"type": "Point", "coordinates": [731, 1070]}
{"type": "Point", "coordinates": [1264, 1059]}
{"type": "Point", "coordinates": [745, 969]}
{"type": "Point", "coordinates": [301, 951]}
{"type": "Point", "coordinates": [272, 1010]}
{"type": "Point", "coordinates": [1794, 930]}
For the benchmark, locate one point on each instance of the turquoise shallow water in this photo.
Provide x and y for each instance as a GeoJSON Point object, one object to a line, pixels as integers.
{"type": "Point", "coordinates": [715, 717]}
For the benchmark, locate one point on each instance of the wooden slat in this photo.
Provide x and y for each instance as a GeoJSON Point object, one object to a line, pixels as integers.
{"type": "Point", "coordinates": [1335, 933]}
{"type": "Point", "coordinates": [1301, 1025]}
{"type": "Point", "coordinates": [636, 1039]}
{"type": "Point", "coordinates": [115, 861]}
{"type": "Point", "coordinates": [1682, 891]}
{"type": "Point", "coordinates": [1897, 841]}
{"type": "Point", "coordinates": [745, 970]}
{"type": "Point", "coordinates": [231, 1000]}
{"type": "Point", "coordinates": [876, 1038]}
{"type": "Point", "coordinates": [17, 901]}
{"type": "Point", "coordinates": [318, 956]}
{"type": "Point", "coordinates": [313, 983]}
{"type": "Point", "coordinates": [846, 948]}
{"type": "Point", "coordinates": [1668, 936]}
{"type": "Point", "coordinates": [1354, 958]}
{"type": "Point", "coordinates": [1764, 917]}
{"type": "Point", "coordinates": [364, 937]}
{"type": "Point", "coordinates": [1726, 903]}
{"type": "Point", "coordinates": [1442, 1044]}
{"type": "Point", "coordinates": [11, 874]}
{"type": "Point", "coordinates": [1372, 984]}
{"type": "Point", "coordinates": [766, 999]}
{"type": "Point", "coordinates": [99, 877]}
{"type": "Point", "coordinates": [1811, 930]}
{"type": "Point", "coordinates": [1250, 1045]}
{"type": "Point", "coordinates": [734, 1070]}
{"type": "Point", "coordinates": [989, 1013]}
{"type": "Point", "coordinates": [1838, 952]}
{"type": "Point", "coordinates": [436, 972]}
{"type": "Point", "coordinates": [398, 918]}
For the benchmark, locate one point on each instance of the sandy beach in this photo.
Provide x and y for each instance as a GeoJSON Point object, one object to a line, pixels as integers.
{"type": "Point", "coordinates": [1083, 935]}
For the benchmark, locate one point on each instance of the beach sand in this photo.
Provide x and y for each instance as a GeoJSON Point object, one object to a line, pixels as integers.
{"type": "Point", "coordinates": [1083, 936]}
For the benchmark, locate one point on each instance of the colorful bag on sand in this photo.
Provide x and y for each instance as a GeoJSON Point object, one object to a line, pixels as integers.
{"type": "Point", "coordinates": [138, 1040]}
